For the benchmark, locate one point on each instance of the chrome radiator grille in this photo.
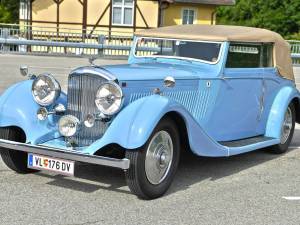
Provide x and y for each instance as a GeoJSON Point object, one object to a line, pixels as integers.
{"type": "Point", "coordinates": [82, 90]}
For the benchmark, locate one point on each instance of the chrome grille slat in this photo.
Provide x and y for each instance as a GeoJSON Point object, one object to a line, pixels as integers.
{"type": "Point", "coordinates": [81, 96]}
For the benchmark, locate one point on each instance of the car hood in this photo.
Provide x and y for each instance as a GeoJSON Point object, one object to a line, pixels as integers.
{"type": "Point", "coordinates": [155, 71]}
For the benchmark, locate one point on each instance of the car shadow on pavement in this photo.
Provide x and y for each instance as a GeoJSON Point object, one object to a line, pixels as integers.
{"type": "Point", "coordinates": [192, 170]}
{"type": "Point", "coordinates": [90, 178]}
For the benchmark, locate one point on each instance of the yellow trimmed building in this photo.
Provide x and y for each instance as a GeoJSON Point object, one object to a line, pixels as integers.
{"type": "Point", "coordinates": [116, 16]}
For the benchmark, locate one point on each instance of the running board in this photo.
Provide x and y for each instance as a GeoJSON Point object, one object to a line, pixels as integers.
{"type": "Point", "coordinates": [246, 141]}
{"type": "Point", "coordinates": [248, 144]}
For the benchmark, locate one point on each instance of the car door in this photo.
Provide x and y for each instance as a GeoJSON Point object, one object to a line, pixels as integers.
{"type": "Point", "coordinates": [240, 102]}
{"type": "Point", "coordinates": [271, 84]}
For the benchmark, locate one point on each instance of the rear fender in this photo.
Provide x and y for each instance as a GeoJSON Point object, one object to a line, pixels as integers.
{"type": "Point", "coordinates": [278, 109]}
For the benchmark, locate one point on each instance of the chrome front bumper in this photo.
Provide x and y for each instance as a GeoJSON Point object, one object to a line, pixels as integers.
{"type": "Point", "coordinates": [62, 154]}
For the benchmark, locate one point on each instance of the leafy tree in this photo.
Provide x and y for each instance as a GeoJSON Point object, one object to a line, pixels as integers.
{"type": "Point", "coordinates": [282, 16]}
{"type": "Point", "coordinates": [9, 11]}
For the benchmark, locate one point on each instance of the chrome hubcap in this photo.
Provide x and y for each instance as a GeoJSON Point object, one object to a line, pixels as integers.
{"type": "Point", "coordinates": [159, 157]}
{"type": "Point", "coordinates": [286, 126]}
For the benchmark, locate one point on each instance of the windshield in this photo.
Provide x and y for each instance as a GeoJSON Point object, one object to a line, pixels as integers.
{"type": "Point", "coordinates": [157, 47]}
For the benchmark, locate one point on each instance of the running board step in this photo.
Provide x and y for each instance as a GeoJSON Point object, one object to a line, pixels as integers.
{"type": "Point", "coordinates": [245, 142]}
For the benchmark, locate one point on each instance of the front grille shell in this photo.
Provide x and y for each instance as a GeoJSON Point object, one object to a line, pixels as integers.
{"type": "Point", "coordinates": [82, 90]}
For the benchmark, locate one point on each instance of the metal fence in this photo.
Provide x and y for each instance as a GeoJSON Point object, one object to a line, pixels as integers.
{"type": "Point", "coordinates": [75, 42]}
{"type": "Point", "coordinates": [63, 41]}
{"type": "Point", "coordinates": [295, 50]}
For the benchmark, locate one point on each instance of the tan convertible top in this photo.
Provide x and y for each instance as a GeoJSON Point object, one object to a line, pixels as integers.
{"type": "Point", "coordinates": [282, 55]}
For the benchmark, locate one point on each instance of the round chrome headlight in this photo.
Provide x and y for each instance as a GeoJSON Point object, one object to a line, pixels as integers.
{"type": "Point", "coordinates": [68, 125]}
{"type": "Point", "coordinates": [109, 98]}
{"type": "Point", "coordinates": [45, 89]}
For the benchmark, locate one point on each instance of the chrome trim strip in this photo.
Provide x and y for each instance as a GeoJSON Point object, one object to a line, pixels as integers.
{"type": "Point", "coordinates": [95, 70]}
{"type": "Point", "coordinates": [68, 155]}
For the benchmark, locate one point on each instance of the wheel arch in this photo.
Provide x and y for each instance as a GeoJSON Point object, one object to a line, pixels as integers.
{"type": "Point", "coordinates": [116, 150]}
{"type": "Point", "coordinates": [180, 123]}
{"type": "Point", "coordinates": [296, 102]}
{"type": "Point", "coordinates": [285, 96]}
{"type": "Point", "coordinates": [21, 135]}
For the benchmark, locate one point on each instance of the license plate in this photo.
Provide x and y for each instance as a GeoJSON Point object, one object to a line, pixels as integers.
{"type": "Point", "coordinates": [40, 162]}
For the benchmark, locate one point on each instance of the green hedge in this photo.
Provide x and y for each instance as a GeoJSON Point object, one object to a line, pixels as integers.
{"type": "Point", "coordinates": [282, 16]}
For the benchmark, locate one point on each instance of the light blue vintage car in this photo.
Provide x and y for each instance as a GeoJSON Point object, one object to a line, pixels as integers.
{"type": "Point", "coordinates": [215, 90]}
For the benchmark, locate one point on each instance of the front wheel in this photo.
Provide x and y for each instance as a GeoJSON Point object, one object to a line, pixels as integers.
{"type": "Point", "coordinates": [15, 160]}
{"type": "Point", "coordinates": [153, 167]}
{"type": "Point", "coordinates": [287, 131]}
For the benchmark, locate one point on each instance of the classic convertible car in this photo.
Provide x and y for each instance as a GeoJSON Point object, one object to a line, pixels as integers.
{"type": "Point", "coordinates": [215, 90]}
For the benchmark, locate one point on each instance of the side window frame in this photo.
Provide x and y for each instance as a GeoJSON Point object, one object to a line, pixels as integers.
{"type": "Point", "coordinates": [262, 47]}
{"type": "Point", "coordinates": [270, 56]}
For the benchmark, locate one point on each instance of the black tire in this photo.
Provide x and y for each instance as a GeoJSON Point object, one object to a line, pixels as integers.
{"type": "Point", "coordinates": [283, 147]}
{"type": "Point", "coordinates": [136, 175]}
{"type": "Point", "coordinates": [15, 160]}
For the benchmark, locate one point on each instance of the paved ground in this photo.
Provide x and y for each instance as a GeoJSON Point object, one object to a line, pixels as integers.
{"type": "Point", "coordinates": [245, 189]}
{"type": "Point", "coordinates": [60, 67]}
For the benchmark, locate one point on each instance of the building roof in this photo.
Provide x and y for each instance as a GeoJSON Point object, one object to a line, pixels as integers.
{"type": "Point", "coordinates": [208, 2]}
{"type": "Point", "coordinates": [282, 55]}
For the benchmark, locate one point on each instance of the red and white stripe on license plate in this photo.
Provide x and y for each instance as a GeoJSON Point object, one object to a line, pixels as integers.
{"type": "Point", "coordinates": [40, 162]}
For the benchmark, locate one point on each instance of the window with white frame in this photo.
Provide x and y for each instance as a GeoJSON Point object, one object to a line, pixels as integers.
{"type": "Point", "coordinates": [122, 12]}
{"type": "Point", "coordinates": [188, 16]}
{"type": "Point", "coordinates": [23, 14]}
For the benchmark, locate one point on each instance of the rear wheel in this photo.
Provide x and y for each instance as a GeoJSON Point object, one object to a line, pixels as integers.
{"type": "Point", "coordinates": [287, 131]}
{"type": "Point", "coordinates": [14, 160]}
{"type": "Point", "coordinates": [152, 168]}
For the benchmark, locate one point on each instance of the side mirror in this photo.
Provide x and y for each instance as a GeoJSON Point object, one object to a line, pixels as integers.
{"type": "Point", "coordinates": [24, 71]}
{"type": "Point", "coordinates": [169, 82]}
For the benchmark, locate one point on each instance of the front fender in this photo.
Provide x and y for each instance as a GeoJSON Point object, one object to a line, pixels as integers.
{"type": "Point", "coordinates": [134, 124]}
{"type": "Point", "coordinates": [278, 109]}
{"type": "Point", "coordinates": [18, 108]}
